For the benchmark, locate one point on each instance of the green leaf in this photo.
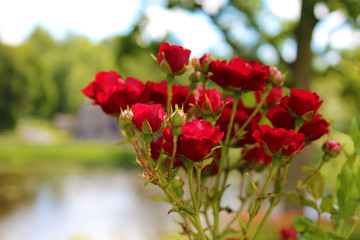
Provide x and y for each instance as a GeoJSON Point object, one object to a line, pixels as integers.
{"type": "Point", "coordinates": [327, 204]}
{"type": "Point", "coordinates": [345, 192]}
{"type": "Point", "coordinates": [308, 170]}
{"type": "Point", "coordinates": [300, 200]}
{"type": "Point", "coordinates": [354, 132]}
{"type": "Point", "coordinates": [254, 207]}
{"type": "Point", "coordinates": [316, 186]}
{"type": "Point", "coordinates": [357, 181]}
{"type": "Point", "coordinates": [307, 229]}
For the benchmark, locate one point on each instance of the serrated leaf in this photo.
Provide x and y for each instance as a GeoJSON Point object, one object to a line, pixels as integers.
{"type": "Point", "coordinates": [300, 200]}
{"type": "Point", "coordinates": [345, 192]}
{"type": "Point", "coordinates": [316, 186]}
{"type": "Point", "coordinates": [354, 132]}
{"type": "Point", "coordinates": [159, 198]}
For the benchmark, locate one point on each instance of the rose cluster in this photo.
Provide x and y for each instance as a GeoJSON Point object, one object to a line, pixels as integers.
{"type": "Point", "coordinates": [202, 118]}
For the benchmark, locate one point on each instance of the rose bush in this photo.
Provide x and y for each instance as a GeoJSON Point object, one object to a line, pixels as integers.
{"type": "Point", "coordinates": [190, 131]}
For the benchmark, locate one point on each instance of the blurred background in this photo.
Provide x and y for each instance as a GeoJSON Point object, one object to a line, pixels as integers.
{"type": "Point", "coordinates": [62, 173]}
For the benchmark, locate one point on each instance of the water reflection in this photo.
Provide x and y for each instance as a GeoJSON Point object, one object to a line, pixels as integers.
{"type": "Point", "coordinates": [107, 205]}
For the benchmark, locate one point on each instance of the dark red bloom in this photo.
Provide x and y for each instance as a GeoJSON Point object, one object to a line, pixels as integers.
{"type": "Point", "coordinates": [288, 234]}
{"type": "Point", "coordinates": [112, 93]}
{"type": "Point", "coordinates": [257, 156]}
{"type": "Point", "coordinates": [239, 74]}
{"type": "Point", "coordinates": [280, 117]}
{"type": "Point", "coordinates": [148, 118]}
{"type": "Point", "coordinates": [155, 93]}
{"type": "Point", "coordinates": [303, 103]}
{"type": "Point", "coordinates": [315, 128]}
{"type": "Point", "coordinates": [273, 139]}
{"type": "Point", "coordinates": [180, 96]}
{"type": "Point", "coordinates": [174, 57]}
{"type": "Point", "coordinates": [209, 101]}
{"type": "Point", "coordinates": [196, 140]}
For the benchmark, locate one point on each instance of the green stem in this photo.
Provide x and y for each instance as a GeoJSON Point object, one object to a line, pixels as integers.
{"type": "Point", "coordinates": [190, 168]}
{"type": "Point", "coordinates": [268, 180]}
{"type": "Point", "coordinates": [272, 205]}
{"type": "Point", "coordinates": [141, 158]}
{"type": "Point", "coordinates": [224, 151]}
{"type": "Point", "coordinates": [198, 184]}
{"type": "Point", "coordinates": [173, 154]}
{"type": "Point", "coordinates": [353, 227]}
{"type": "Point", "coordinates": [170, 81]}
{"type": "Point", "coordinates": [178, 203]}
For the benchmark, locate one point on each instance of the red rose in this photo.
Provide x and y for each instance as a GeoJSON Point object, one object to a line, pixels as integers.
{"type": "Point", "coordinates": [148, 118]}
{"type": "Point", "coordinates": [280, 117]}
{"type": "Point", "coordinates": [257, 156]}
{"type": "Point", "coordinates": [179, 94]}
{"type": "Point", "coordinates": [155, 93]}
{"type": "Point", "coordinates": [202, 64]}
{"type": "Point", "coordinates": [303, 103]}
{"type": "Point", "coordinates": [332, 148]}
{"type": "Point", "coordinates": [315, 128]}
{"type": "Point", "coordinates": [112, 93]}
{"type": "Point", "coordinates": [288, 234]}
{"type": "Point", "coordinates": [209, 101]}
{"type": "Point", "coordinates": [173, 59]}
{"type": "Point", "coordinates": [273, 139]}
{"type": "Point", "coordinates": [196, 140]}
{"type": "Point", "coordinates": [239, 74]}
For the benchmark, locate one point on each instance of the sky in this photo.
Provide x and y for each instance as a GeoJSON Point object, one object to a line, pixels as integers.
{"type": "Point", "coordinates": [100, 19]}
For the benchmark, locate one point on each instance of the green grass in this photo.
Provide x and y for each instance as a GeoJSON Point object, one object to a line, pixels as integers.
{"type": "Point", "coordinates": [14, 150]}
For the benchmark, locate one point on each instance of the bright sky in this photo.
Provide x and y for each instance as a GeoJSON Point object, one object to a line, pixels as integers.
{"type": "Point", "coordinates": [99, 19]}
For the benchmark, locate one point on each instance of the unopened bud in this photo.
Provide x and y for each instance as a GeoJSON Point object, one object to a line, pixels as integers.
{"type": "Point", "coordinates": [202, 64]}
{"type": "Point", "coordinates": [195, 76]}
{"type": "Point", "coordinates": [332, 148]}
{"type": "Point", "coordinates": [276, 78]}
{"type": "Point", "coordinates": [178, 117]}
{"type": "Point", "coordinates": [125, 118]}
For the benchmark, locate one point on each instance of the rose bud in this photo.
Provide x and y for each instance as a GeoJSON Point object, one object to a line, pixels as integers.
{"type": "Point", "coordinates": [178, 117]}
{"type": "Point", "coordinates": [332, 148]}
{"type": "Point", "coordinates": [125, 118]}
{"type": "Point", "coordinates": [288, 234]}
{"type": "Point", "coordinates": [274, 140]}
{"type": "Point", "coordinates": [173, 59]}
{"type": "Point", "coordinates": [195, 76]}
{"type": "Point", "coordinates": [303, 103]}
{"type": "Point", "coordinates": [209, 101]}
{"type": "Point", "coordinates": [239, 74]}
{"type": "Point", "coordinates": [276, 78]}
{"type": "Point", "coordinates": [148, 118]}
{"type": "Point", "coordinates": [202, 64]}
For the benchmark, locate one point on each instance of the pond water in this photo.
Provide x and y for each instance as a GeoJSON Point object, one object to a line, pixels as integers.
{"type": "Point", "coordinates": [98, 205]}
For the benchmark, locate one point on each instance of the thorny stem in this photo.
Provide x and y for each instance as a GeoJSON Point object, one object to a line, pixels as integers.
{"type": "Point", "coordinates": [141, 158]}
{"type": "Point", "coordinates": [190, 168]}
{"type": "Point", "coordinates": [173, 154]}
